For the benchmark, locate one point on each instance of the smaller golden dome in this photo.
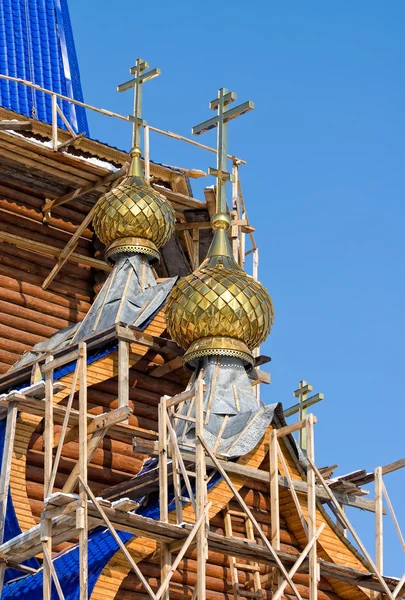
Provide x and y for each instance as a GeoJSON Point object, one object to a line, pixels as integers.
{"type": "Point", "coordinates": [219, 309]}
{"type": "Point", "coordinates": [133, 216]}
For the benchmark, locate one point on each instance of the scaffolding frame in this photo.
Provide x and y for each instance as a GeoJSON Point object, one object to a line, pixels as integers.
{"type": "Point", "coordinates": [186, 466]}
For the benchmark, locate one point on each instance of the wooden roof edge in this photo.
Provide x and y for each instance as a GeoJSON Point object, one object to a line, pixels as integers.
{"type": "Point", "coordinates": [178, 177]}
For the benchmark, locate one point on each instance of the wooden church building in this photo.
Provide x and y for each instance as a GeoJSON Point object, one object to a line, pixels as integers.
{"type": "Point", "coordinates": [137, 458]}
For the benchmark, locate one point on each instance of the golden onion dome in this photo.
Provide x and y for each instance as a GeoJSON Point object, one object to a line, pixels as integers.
{"type": "Point", "coordinates": [219, 309]}
{"type": "Point", "coordinates": [133, 217]}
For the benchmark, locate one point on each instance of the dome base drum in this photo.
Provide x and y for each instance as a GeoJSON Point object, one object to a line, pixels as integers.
{"type": "Point", "coordinates": [133, 245]}
{"type": "Point", "coordinates": [218, 346]}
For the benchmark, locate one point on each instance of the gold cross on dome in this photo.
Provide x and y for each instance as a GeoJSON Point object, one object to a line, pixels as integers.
{"type": "Point", "coordinates": [136, 82]}
{"type": "Point", "coordinates": [224, 115]}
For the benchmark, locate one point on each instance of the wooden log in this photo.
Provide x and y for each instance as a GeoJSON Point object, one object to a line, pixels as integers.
{"type": "Point", "coordinates": [38, 330]}
{"type": "Point", "coordinates": [31, 316]}
{"type": "Point", "coordinates": [35, 482]}
{"type": "Point", "coordinates": [104, 475]}
{"type": "Point", "coordinates": [29, 212]}
{"type": "Point", "coordinates": [77, 307]}
{"type": "Point", "coordinates": [140, 409]}
{"type": "Point", "coordinates": [26, 273]}
{"type": "Point", "coordinates": [64, 215]}
{"type": "Point", "coordinates": [20, 340]}
{"type": "Point", "coordinates": [81, 274]}
{"type": "Point", "coordinates": [160, 386]}
{"type": "Point", "coordinates": [23, 299]}
{"type": "Point", "coordinates": [105, 458]}
{"type": "Point", "coordinates": [40, 233]}
{"type": "Point", "coordinates": [8, 358]}
{"type": "Point", "coordinates": [36, 163]}
{"type": "Point", "coordinates": [108, 444]}
{"type": "Point", "coordinates": [38, 264]}
{"type": "Point", "coordinates": [136, 394]}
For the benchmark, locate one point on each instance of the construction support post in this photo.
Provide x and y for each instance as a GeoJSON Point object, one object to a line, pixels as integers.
{"type": "Point", "coordinates": [201, 489]}
{"type": "Point", "coordinates": [165, 555]}
{"type": "Point", "coordinates": [123, 374]}
{"type": "Point", "coordinates": [46, 524]}
{"type": "Point", "coordinates": [274, 502]}
{"type": "Point", "coordinates": [81, 513]}
{"type": "Point", "coordinates": [9, 436]}
{"type": "Point", "coordinates": [379, 552]}
{"type": "Point", "coordinates": [313, 563]}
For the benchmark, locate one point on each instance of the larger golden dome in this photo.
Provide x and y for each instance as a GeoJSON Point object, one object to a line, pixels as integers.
{"type": "Point", "coordinates": [133, 216]}
{"type": "Point", "coordinates": [219, 309]}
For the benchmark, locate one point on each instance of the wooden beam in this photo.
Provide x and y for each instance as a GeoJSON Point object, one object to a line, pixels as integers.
{"type": "Point", "coordinates": [80, 470]}
{"type": "Point", "coordinates": [168, 367]}
{"type": "Point", "coordinates": [68, 249]}
{"type": "Point", "coordinates": [201, 490]}
{"type": "Point", "coordinates": [8, 447]}
{"type": "Point", "coordinates": [47, 250]}
{"type": "Point", "coordinates": [49, 204]}
{"type": "Point", "coordinates": [288, 429]}
{"type": "Point", "coordinates": [15, 126]}
{"type": "Point", "coordinates": [160, 345]}
{"type": "Point", "coordinates": [181, 199]}
{"type": "Point", "coordinates": [311, 503]}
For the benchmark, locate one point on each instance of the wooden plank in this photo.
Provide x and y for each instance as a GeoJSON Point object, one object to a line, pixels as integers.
{"type": "Point", "coordinates": [201, 490]}
{"type": "Point", "coordinates": [68, 249]}
{"type": "Point", "coordinates": [274, 495]}
{"type": "Point", "coordinates": [80, 470]}
{"type": "Point", "coordinates": [394, 466]}
{"type": "Point", "coordinates": [311, 505]}
{"type": "Point", "coordinates": [15, 125]}
{"type": "Point", "coordinates": [160, 345]}
{"type": "Point", "coordinates": [168, 367]}
{"type": "Point", "coordinates": [180, 199]}
{"type": "Point", "coordinates": [47, 250]}
{"type": "Point", "coordinates": [165, 554]}
{"type": "Point", "coordinates": [86, 188]}
{"type": "Point", "coordinates": [8, 447]}
{"type": "Point", "coordinates": [379, 547]}
{"type": "Point", "coordinates": [123, 374]}
{"type": "Point", "coordinates": [288, 429]}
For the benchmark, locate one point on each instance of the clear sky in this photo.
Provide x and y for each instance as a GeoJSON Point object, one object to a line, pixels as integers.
{"type": "Point", "coordinates": [324, 186]}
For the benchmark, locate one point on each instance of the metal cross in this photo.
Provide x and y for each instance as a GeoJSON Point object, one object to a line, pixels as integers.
{"type": "Point", "coordinates": [224, 115]}
{"type": "Point", "coordinates": [303, 403]}
{"type": "Point", "coordinates": [140, 77]}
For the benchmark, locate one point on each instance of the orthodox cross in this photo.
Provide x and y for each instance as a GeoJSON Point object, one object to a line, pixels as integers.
{"type": "Point", "coordinates": [136, 82]}
{"type": "Point", "coordinates": [224, 115]}
{"type": "Point", "coordinates": [301, 408]}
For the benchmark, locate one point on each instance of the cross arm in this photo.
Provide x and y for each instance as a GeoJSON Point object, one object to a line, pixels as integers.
{"type": "Point", "coordinates": [228, 116]}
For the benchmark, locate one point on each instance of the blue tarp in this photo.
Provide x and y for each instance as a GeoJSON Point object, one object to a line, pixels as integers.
{"type": "Point", "coordinates": [36, 44]}
{"type": "Point", "coordinates": [11, 526]}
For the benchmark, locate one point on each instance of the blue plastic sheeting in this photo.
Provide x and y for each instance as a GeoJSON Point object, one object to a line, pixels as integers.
{"type": "Point", "coordinates": [11, 526]}
{"type": "Point", "coordinates": [102, 548]}
{"type": "Point", "coordinates": [36, 44]}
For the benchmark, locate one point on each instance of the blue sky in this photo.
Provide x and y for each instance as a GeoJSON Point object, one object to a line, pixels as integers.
{"type": "Point", "coordinates": [324, 186]}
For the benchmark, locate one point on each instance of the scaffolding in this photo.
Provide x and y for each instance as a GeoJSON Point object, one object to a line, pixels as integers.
{"type": "Point", "coordinates": [183, 477]}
